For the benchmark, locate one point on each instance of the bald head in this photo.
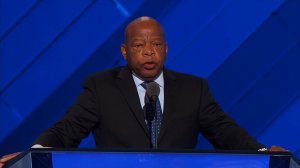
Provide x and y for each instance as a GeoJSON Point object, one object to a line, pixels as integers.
{"type": "Point", "coordinates": [143, 23]}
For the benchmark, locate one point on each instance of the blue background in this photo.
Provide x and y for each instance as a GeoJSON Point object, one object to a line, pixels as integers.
{"type": "Point", "coordinates": [249, 50]}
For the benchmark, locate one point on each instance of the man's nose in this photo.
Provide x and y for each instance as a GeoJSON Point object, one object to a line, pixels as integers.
{"type": "Point", "coordinates": [148, 50]}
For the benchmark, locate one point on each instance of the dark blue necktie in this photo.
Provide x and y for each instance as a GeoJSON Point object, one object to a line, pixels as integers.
{"type": "Point", "coordinates": [156, 119]}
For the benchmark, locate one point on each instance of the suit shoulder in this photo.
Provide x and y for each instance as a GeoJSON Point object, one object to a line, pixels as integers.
{"type": "Point", "coordinates": [184, 76]}
{"type": "Point", "coordinates": [106, 74]}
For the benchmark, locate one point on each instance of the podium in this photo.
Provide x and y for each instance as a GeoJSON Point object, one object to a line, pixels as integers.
{"type": "Point", "coordinates": [79, 158]}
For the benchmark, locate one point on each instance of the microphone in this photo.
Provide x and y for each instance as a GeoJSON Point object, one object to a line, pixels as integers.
{"type": "Point", "coordinates": [153, 91]}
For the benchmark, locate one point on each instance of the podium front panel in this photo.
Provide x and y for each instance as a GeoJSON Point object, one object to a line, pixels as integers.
{"type": "Point", "coordinates": [149, 159]}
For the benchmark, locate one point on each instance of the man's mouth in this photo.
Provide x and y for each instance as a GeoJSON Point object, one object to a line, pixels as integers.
{"type": "Point", "coordinates": [149, 65]}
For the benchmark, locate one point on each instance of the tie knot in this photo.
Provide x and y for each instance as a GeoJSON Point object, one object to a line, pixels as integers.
{"type": "Point", "coordinates": [145, 84]}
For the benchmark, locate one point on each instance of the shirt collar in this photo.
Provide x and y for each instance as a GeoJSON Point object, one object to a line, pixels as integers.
{"type": "Point", "coordinates": [159, 80]}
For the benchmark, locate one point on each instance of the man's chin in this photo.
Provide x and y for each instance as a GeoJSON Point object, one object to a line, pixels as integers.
{"type": "Point", "coordinates": [152, 75]}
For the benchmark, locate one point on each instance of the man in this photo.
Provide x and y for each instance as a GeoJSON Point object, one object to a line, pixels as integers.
{"type": "Point", "coordinates": [111, 105]}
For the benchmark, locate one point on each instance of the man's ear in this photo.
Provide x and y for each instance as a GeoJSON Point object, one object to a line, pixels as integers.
{"type": "Point", "coordinates": [124, 51]}
{"type": "Point", "coordinates": [166, 50]}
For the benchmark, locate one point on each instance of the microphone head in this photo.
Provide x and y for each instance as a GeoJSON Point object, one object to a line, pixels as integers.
{"type": "Point", "coordinates": [153, 90]}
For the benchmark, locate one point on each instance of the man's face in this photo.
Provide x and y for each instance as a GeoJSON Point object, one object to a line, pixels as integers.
{"type": "Point", "coordinates": [145, 49]}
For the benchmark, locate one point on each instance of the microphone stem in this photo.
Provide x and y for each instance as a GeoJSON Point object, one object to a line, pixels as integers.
{"type": "Point", "coordinates": [156, 126]}
{"type": "Point", "coordinates": [156, 133]}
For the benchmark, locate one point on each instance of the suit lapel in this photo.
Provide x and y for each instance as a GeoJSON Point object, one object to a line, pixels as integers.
{"type": "Point", "coordinates": [169, 100]}
{"type": "Point", "coordinates": [128, 89]}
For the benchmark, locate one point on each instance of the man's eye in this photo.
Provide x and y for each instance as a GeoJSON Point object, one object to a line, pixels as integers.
{"type": "Point", "coordinates": [158, 44]}
{"type": "Point", "coordinates": [138, 45]}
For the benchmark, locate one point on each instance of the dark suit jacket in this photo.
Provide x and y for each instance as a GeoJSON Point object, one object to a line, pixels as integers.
{"type": "Point", "coordinates": [109, 107]}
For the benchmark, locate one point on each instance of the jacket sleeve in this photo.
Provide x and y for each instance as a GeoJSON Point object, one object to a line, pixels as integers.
{"type": "Point", "coordinates": [76, 124]}
{"type": "Point", "coordinates": [219, 128]}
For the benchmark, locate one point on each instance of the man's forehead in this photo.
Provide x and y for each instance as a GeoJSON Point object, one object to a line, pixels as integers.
{"type": "Point", "coordinates": [145, 31]}
{"type": "Point", "coordinates": [152, 38]}
{"type": "Point", "coordinates": [146, 34]}
{"type": "Point", "coordinates": [144, 28]}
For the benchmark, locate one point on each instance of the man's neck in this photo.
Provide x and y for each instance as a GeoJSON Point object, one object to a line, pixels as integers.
{"type": "Point", "coordinates": [146, 79]}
